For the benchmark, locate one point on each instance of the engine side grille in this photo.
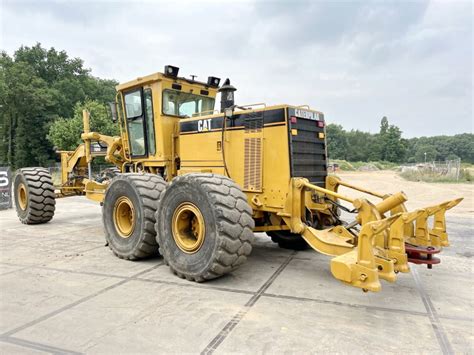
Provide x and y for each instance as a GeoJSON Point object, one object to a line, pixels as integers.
{"type": "Point", "coordinates": [307, 150]}
{"type": "Point", "coordinates": [253, 164]}
{"type": "Point", "coordinates": [253, 137]}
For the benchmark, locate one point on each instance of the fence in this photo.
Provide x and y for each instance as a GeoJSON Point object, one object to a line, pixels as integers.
{"type": "Point", "coordinates": [448, 169]}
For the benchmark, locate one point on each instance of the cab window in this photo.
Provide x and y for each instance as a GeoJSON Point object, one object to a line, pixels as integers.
{"type": "Point", "coordinates": [149, 122]}
{"type": "Point", "coordinates": [133, 104]}
{"type": "Point", "coordinates": [182, 104]}
{"type": "Point", "coordinates": [135, 122]}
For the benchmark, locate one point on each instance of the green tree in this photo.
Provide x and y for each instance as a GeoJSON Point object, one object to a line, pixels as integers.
{"type": "Point", "coordinates": [37, 86]}
{"type": "Point", "coordinates": [388, 144]}
{"type": "Point", "coordinates": [65, 133]}
{"type": "Point", "coordinates": [336, 141]}
{"type": "Point", "coordinates": [359, 145]}
{"type": "Point", "coordinates": [425, 150]}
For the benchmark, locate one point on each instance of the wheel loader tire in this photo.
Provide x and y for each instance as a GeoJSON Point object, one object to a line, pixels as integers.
{"type": "Point", "coordinates": [128, 215]}
{"type": "Point", "coordinates": [288, 240]}
{"type": "Point", "coordinates": [34, 195]}
{"type": "Point", "coordinates": [204, 226]}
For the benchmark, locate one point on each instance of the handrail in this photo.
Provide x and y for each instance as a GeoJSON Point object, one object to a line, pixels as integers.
{"type": "Point", "coordinates": [328, 192]}
{"type": "Point", "coordinates": [361, 189]}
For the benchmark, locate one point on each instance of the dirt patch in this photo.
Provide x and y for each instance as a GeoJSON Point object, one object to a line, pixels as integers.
{"type": "Point", "coordinates": [420, 194]}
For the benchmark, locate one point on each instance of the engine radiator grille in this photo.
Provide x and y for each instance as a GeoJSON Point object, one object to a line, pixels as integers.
{"type": "Point", "coordinates": [307, 149]}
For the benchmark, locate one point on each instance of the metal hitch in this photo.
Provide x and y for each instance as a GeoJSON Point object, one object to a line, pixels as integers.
{"type": "Point", "coordinates": [422, 255]}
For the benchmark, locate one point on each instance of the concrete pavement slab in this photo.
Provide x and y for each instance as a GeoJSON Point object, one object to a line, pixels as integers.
{"type": "Point", "coordinates": [102, 260]}
{"type": "Point", "coordinates": [289, 326]}
{"type": "Point", "coordinates": [28, 294]}
{"type": "Point", "coordinates": [450, 286]}
{"type": "Point", "coordinates": [261, 264]}
{"type": "Point", "coordinates": [310, 277]}
{"type": "Point", "coordinates": [460, 335]}
{"type": "Point", "coordinates": [42, 251]}
{"type": "Point", "coordinates": [140, 317]}
{"type": "Point", "coordinates": [76, 295]}
{"type": "Point", "coordinates": [8, 348]}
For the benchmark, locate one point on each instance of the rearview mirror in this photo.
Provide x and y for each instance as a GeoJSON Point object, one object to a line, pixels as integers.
{"type": "Point", "coordinates": [113, 111]}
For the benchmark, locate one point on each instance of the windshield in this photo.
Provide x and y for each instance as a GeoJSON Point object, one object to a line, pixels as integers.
{"type": "Point", "coordinates": [177, 103]}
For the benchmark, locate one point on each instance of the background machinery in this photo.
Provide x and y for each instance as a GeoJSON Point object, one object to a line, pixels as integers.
{"type": "Point", "coordinates": [194, 184]}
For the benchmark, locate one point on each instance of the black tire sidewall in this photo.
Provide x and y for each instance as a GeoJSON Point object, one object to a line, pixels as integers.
{"type": "Point", "coordinates": [118, 188]}
{"type": "Point", "coordinates": [285, 236]}
{"type": "Point", "coordinates": [21, 179]}
{"type": "Point", "coordinates": [176, 194]}
{"type": "Point", "coordinates": [287, 240]}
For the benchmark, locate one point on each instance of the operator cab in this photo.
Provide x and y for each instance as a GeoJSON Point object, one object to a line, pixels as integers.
{"type": "Point", "coordinates": [149, 109]}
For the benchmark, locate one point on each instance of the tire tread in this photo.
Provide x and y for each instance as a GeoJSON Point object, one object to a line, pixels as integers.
{"type": "Point", "coordinates": [234, 220]}
{"type": "Point", "coordinates": [41, 199]}
{"type": "Point", "coordinates": [146, 185]}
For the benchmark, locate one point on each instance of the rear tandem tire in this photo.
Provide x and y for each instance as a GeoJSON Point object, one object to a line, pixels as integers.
{"type": "Point", "coordinates": [204, 226]}
{"type": "Point", "coordinates": [128, 215]}
{"type": "Point", "coordinates": [34, 195]}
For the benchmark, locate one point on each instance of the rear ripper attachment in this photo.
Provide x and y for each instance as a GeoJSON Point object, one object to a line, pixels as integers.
{"type": "Point", "coordinates": [379, 243]}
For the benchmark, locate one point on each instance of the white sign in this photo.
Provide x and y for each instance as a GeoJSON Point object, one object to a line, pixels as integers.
{"type": "Point", "coordinates": [5, 188]}
{"type": "Point", "coordinates": [306, 114]}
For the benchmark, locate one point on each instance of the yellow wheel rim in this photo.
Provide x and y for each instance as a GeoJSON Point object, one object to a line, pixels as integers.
{"type": "Point", "coordinates": [188, 228]}
{"type": "Point", "coordinates": [124, 217]}
{"type": "Point", "coordinates": [22, 196]}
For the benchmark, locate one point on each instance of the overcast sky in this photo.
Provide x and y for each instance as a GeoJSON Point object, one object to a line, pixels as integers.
{"type": "Point", "coordinates": [354, 60]}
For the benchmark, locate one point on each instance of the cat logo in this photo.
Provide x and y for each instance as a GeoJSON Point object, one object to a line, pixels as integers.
{"type": "Point", "coordinates": [204, 125]}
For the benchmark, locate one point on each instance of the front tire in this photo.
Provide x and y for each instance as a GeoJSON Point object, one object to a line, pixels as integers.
{"type": "Point", "coordinates": [204, 226]}
{"type": "Point", "coordinates": [34, 195]}
{"type": "Point", "coordinates": [128, 215]}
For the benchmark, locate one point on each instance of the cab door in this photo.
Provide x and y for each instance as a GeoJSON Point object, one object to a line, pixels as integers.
{"type": "Point", "coordinates": [140, 124]}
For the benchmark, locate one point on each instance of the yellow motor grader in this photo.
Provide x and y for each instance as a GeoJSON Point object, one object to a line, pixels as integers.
{"type": "Point", "coordinates": [194, 183]}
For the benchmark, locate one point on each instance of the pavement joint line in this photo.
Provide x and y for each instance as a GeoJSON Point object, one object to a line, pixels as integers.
{"type": "Point", "coordinates": [13, 271]}
{"type": "Point", "coordinates": [49, 235]}
{"type": "Point", "coordinates": [194, 285]}
{"type": "Point", "coordinates": [75, 303]}
{"type": "Point", "coordinates": [344, 304]}
{"type": "Point", "coordinates": [36, 346]}
{"type": "Point", "coordinates": [166, 282]}
{"type": "Point", "coordinates": [441, 336]}
{"type": "Point", "coordinates": [90, 273]}
{"type": "Point", "coordinates": [227, 329]}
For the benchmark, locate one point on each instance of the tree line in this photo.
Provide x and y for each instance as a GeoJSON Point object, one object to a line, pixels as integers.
{"type": "Point", "coordinates": [40, 87]}
{"type": "Point", "coordinates": [389, 145]}
{"type": "Point", "coordinates": [43, 92]}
